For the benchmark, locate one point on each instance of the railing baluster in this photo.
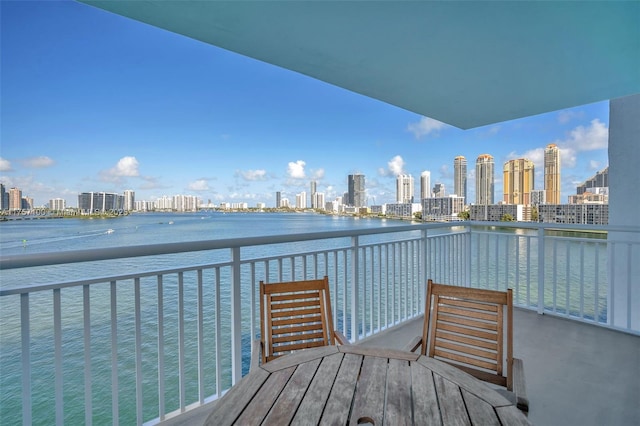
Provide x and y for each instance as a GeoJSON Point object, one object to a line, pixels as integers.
{"type": "Point", "coordinates": [115, 412]}
{"type": "Point", "coordinates": [200, 322]}
{"type": "Point", "coordinates": [355, 287]}
{"type": "Point", "coordinates": [582, 280]}
{"type": "Point", "coordinates": [541, 270]}
{"type": "Point", "coordinates": [25, 338]}
{"type": "Point", "coordinates": [57, 339]}
{"type": "Point", "coordinates": [88, 411]}
{"type": "Point", "coordinates": [161, 373]}
{"type": "Point", "coordinates": [567, 280]}
{"type": "Point", "coordinates": [218, 336]}
{"type": "Point", "coordinates": [236, 316]}
{"type": "Point", "coordinates": [138, 345]}
{"type": "Point", "coordinates": [181, 372]}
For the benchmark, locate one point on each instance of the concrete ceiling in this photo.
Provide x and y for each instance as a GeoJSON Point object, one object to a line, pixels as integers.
{"type": "Point", "coordinates": [467, 64]}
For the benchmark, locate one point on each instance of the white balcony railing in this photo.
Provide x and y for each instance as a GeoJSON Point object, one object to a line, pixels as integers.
{"type": "Point", "coordinates": [141, 334]}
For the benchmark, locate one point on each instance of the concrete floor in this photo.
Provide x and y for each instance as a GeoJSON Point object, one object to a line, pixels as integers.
{"type": "Point", "coordinates": [576, 373]}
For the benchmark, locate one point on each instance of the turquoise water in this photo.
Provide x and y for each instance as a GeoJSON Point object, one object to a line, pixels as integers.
{"type": "Point", "coordinates": [49, 235]}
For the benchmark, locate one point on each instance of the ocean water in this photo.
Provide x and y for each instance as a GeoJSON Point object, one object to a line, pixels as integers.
{"type": "Point", "coordinates": [53, 235]}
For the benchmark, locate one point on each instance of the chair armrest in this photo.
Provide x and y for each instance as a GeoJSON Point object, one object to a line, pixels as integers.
{"type": "Point", "coordinates": [414, 344]}
{"type": "Point", "coordinates": [340, 338]}
{"type": "Point", "coordinates": [256, 355]}
{"type": "Point", "coordinates": [519, 385]}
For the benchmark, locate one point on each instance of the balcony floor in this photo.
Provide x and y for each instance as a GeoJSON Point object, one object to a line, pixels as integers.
{"type": "Point", "coordinates": [576, 373]}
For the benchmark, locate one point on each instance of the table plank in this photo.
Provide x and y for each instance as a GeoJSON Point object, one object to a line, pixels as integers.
{"type": "Point", "coordinates": [313, 403]}
{"type": "Point", "coordinates": [398, 409]}
{"type": "Point", "coordinates": [512, 416]}
{"type": "Point", "coordinates": [259, 406]}
{"type": "Point", "coordinates": [379, 352]}
{"type": "Point", "coordinates": [339, 403]}
{"type": "Point", "coordinates": [369, 399]}
{"type": "Point", "coordinates": [480, 412]}
{"type": "Point", "coordinates": [425, 399]}
{"type": "Point", "coordinates": [285, 406]}
{"type": "Point", "coordinates": [465, 381]}
{"type": "Point", "coordinates": [451, 403]}
{"type": "Point", "coordinates": [229, 407]}
{"type": "Point", "coordinates": [298, 357]}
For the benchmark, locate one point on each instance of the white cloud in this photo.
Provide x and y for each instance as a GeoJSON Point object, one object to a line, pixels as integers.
{"type": "Point", "coordinates": [127, 166]}
{"type": "Point", "coordinates": [425, 126]}
{"type": "Point", "coordinates": [317, 174]}
{"type": "Point", "coordinates": [254, 175]}
{"type": "Point", "coordinates": [5, 165]}
{"type": "Point", "coordinates": [37, 162]}
{"type": "Point", "coordinates": [199, 185]}
{"type": "Point", "coordinates": [594, 136]}
{"type": "Point", "coordinates": [296, 170]}
{"type": "Point", "coordinates": [396, 165]}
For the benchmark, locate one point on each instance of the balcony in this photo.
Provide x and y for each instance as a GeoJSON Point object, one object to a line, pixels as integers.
{"type": "Point", "coordinates": [150, 334]}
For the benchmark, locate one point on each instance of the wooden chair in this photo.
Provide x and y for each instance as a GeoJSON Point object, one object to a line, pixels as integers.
{"type": "Point", "coordinates": [294, 315]}
{"type": "Point", "coordinates": [465, 327]}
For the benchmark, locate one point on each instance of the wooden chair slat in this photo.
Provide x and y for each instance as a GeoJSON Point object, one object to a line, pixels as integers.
{"type": "Point", "coordinates": [469, 340]}
{"type": "Point", "coordinates": [490, 307]}
{"type": "Point", "coordinates": [298, 337]}
{"type": "Point", "coordinates": [468, 313]}
{"type": "Point", "coordinates": [465, 359]}
{"type": "Point", "coordinates": [297, 329]}
{"type": "Point", "coordinates": [296, 320]}
{"type": "Point", "coordinates": [299, 312]}
{"type": "Point", "coordinates": [305, 303]}
{"type": "Point", "coordinates": [281, 297]}
{"type": "Point", "coordinates": [444, 317]}
{"type": "Point", "coordinates": [486, 335]}
{"type": "Point", "coordinates": [469, 350]}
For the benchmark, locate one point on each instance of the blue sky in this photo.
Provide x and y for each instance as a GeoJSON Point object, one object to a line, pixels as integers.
{"type": "Point", "coordinates": [92, 101]}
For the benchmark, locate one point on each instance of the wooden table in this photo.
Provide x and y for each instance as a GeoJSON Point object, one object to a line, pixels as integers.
{"type": "Point", "coordinates": [350, 384]}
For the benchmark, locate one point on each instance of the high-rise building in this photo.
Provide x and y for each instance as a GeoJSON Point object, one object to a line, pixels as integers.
{"type": "Point", "coordinates": [4, 198]}
{"type": "Point", "coordinates": [318, 200]}
{"type": "Point", "coordinates": [15, 199]}
{"type": "Point", "coordinates": [57, 204]}
{"type": "Point", "coordinates": [439, 190]}
{"type": "Point", "coordinates": [517, 178]}
{"type": "Point", "coordinates": [313, 195]}
{"type": "Point", "coordinates": [301, 200]}
{"type": "Point", "coordinates": [460, 177]}
{"type": "Point", "coordinates": [129, 200]}
{"type": "Point", "coordinates": [599, 180]}
{"type": "Point", "coordinates": [425, 185]}
{"type": "Point", "coordinates": [356, 193]}
{"type": "Point", "coordinates": [484, 179]}
{"type": "Point", "coordinates": [537, 197]}
{"type": "Point", "coordinates": [92, 202]}
{"type": "Point", "coordinates": [552, 174]}
{"type": "Point", "coordinates": [404, 189]}
{"type": "Point", "coordinates": [278, 199]}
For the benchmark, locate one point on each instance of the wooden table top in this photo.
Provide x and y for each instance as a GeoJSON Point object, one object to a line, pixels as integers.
{"type": "Point", "coordinates": [358, 385]}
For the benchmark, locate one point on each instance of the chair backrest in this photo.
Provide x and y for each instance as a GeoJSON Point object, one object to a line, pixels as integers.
{"type": "Point", "coordinates": [294, 315]}
{"type": "Point", "coordinates": [466, 327]}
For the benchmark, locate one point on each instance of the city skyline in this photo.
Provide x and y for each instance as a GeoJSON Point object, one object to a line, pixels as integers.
{"type": "Point", "coordinates": [136, 107]}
